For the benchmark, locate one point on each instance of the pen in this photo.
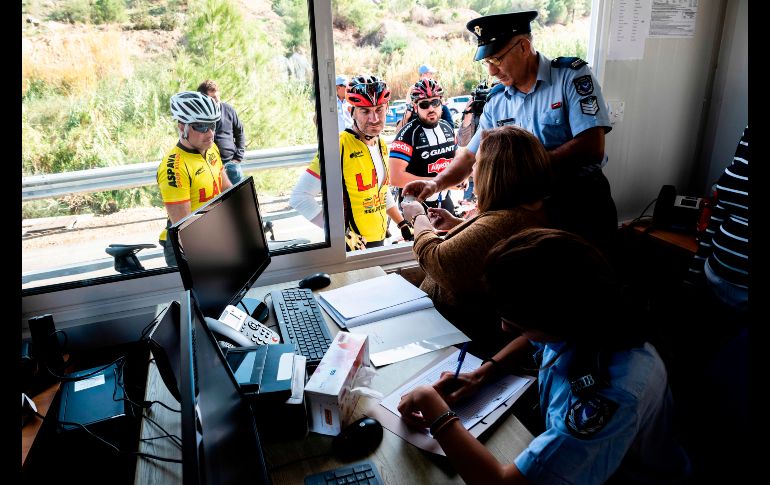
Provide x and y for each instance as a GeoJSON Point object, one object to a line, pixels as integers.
{"type": "Point", "coordinates": [461, 358]}
{"type": "Point", "coordinates": [439, 199]}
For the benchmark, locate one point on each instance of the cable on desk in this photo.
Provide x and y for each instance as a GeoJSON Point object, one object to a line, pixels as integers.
{"type": "Point", "coordinates": [641, 216]}
{"type": "Point", "coordinates": [115, 448]}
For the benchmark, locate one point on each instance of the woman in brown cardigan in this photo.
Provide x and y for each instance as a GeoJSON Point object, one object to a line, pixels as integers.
{"type": "Point", "coordinates": [511, 177]}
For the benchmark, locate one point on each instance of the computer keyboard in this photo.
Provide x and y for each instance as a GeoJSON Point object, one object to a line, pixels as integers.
{"type": "Point", "coordinates": [301, 323]}
{"type": "Point", "coordinates": [362, 473]}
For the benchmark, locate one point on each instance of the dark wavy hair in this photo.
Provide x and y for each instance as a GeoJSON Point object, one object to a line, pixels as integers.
{"type": "Point", "coordinates": [556, 282]}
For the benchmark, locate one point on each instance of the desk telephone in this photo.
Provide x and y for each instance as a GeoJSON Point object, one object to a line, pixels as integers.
{"type": "Point", "coordinates": [237, 329]}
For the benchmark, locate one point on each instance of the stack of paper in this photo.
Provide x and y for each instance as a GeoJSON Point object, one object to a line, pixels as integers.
{"type": "Point", "coordinates": [373, 300]}
{"type": "Point", "coordinates": [398, 317]}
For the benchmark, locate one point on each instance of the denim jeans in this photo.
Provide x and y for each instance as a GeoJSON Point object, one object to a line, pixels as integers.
{"type": "Point", "coordinates": [234, 172]}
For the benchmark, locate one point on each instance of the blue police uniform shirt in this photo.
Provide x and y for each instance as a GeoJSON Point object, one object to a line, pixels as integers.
{"type": "Point", "coordinates": [344, 118]}
{"type": "Point", "coordinates": [563, 103]}
{"type": "Point", "coordinates": [634, 440]}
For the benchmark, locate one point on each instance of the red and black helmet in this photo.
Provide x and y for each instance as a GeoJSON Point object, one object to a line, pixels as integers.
{"type": "Point", "coordinates": [365, 91]}
{"type": "Point", "coordinates": [425, 88]}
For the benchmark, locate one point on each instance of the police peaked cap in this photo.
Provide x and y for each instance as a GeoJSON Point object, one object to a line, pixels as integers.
{"type": "Point", "coordinates": [494, 31]}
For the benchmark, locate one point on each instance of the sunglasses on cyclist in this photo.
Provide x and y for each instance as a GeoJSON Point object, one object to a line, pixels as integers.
{"type": "Point", "coordinates": [425, 104]}
{"type": "Point", "coordinates": [203, 127]}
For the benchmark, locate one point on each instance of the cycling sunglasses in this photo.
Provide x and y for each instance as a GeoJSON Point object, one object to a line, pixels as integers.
{"type": "Point", "coordinates": [203, 127]}
{"type": "Point", "coordinates": [425, 104]}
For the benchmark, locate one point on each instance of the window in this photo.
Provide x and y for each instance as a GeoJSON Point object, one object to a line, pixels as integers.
{"type": "Point", "coordinates": [96, 123]}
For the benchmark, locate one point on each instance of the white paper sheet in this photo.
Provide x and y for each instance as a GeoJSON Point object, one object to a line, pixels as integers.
{"type": "Point", "coordinates": [370, 295]}
{"type": "Point", "coordinates": [472, 410]}
{"type": "Point", "coordinates": [406, 336]}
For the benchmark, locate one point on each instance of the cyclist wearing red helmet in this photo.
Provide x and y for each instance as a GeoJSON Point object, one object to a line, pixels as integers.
{"type": "Point", "coordinates": [367, 198]}
{"type": "Point", "coordinates": [424, 146]}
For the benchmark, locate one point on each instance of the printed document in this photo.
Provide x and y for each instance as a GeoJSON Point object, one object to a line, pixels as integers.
{"type": "Point", "coordinates": [477, 412]}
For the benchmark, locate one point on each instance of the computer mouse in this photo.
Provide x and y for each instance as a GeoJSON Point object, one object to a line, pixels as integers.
{"type": "Point", "coordinates": [361, 437]}
{"type": "Point", "coordinates": [315, 281]}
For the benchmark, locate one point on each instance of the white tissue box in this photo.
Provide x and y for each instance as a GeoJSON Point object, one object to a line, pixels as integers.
{"type": "Point", "coordinates": [329, 400]}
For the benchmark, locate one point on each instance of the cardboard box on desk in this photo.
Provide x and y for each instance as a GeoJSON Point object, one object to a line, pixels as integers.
{"type": "Point", "coordinates": [330, 402]}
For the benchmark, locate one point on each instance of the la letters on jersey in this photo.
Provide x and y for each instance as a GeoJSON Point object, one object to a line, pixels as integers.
{"type": "Point", "coordinates": [363, 187]}
{"type": "Point", "coordinates": [214, 192]}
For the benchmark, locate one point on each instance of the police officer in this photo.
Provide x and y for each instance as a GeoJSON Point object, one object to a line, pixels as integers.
{"type": "Point", "coordinates": [561, 103]}
{"type": "Point", "coordinates": [606, 404]}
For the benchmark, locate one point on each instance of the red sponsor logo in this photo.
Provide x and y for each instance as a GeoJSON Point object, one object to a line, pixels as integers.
{"type": "Point", "coordinates": [363, 186]}
{"type": "Point", "coordinates": [556, 105]}
{"type": "Point", "coordinates": [439, 165]}
{"type": "Point", "coordinates": [400, 146]}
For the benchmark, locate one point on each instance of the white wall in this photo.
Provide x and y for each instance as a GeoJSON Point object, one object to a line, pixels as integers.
{"type": "Point", "coordinates": [667, 106]}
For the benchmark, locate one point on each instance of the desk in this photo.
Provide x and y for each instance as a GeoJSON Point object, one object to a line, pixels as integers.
{"type": "Point", "coordinates": [30, 429]}
{"type": "Point", "coordinates": [672, 239]}
{"type": "Point", "coordinates": [290, 461]}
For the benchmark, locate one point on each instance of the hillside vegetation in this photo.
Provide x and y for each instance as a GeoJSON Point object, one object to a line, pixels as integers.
{"type": "Point", "coordinates": [97, 75]}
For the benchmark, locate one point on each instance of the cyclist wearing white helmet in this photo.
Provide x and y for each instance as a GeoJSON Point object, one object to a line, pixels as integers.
{"type": "Point", "coordinates": [367, 198]}
{"type": "Point", "coordinates": [191, 173]}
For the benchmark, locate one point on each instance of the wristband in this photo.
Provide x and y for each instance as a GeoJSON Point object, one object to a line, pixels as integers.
{"type": "Point", "coordinates": [494, 362]}
{"type": "Point", "coordinates": [441, 421]}
{"type": "Point", "coordinates": [402, 223]}
{"type": "Point", "coordinates": [416, 216]}
{"type": "Point", "coordinates": [444, 425]}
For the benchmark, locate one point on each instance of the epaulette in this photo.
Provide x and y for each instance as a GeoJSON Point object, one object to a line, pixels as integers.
{"type": "Point", "coordinates": [571, 62]}
{"type": "Point", "coordinates": [495, 89]}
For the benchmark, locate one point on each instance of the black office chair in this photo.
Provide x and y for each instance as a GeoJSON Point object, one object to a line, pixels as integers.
{"type": "Point", "coordinates": [125, 256]}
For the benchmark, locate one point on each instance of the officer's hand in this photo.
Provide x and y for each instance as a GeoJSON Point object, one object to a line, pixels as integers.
{"type": "Point", "coordinates": [453, 390]}
{"type": "Point", "coordinates": [422, 189]}
{"type": "Point", "coordinates": [442, 219]}
{"type": "Point", "coordinates": [421, 406]}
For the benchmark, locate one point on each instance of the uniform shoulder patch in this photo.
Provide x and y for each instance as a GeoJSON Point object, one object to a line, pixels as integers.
{"type": "Point", "coordinates": [589, 415]}
{"type": "Point", "coordinates": [498, 88]}
{"type": "Point", "coordinates": [571, 62]}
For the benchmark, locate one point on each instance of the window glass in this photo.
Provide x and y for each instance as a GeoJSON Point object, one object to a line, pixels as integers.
{"type": "Point", "coordinates": [97, 78]}
{"type": "Point", "coordinates": [96, 83]}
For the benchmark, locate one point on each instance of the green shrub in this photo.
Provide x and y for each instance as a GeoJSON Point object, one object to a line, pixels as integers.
{"type": "Point", "coordinates": [72, 11]}
{"type": "Point", "coordinates": [394, 44]}
{"type": "Point", "coordinates": [108, 11]}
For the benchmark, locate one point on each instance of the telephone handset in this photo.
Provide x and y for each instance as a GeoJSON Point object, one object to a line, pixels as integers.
{"type": "Point", "coordinates": [226, 334]}
{"type": "Point", "coordinates": [239, 329]}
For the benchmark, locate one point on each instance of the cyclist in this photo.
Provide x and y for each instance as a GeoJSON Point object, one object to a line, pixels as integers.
{"type": "Point", "coordinates": [425, 145]}
{"type": "Point", "coordinates": [191, 173]}
{"type": "Point", "coordinates": [366, 195]}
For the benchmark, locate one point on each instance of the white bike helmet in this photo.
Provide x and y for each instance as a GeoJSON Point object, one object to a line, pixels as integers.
{"type": "Point", "coordinates": [194, 107]}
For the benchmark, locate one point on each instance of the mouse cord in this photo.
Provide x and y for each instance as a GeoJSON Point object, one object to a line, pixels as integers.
{"type": "Point", "coordinates": [273, 468]}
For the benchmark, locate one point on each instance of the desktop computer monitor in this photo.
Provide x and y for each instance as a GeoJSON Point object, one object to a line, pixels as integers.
{"type": "Point", "coordinates": [221, 248]}
{"type": "Point", "coordinates": [163, 339]}
{"type": "Point", "coordinates": [220, 444]}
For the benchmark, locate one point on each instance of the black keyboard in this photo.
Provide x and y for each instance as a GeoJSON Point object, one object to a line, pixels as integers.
{"type": "Point", "coordinates": [301, 323]}
{"type": "Point", "coordinates": [362, 473]}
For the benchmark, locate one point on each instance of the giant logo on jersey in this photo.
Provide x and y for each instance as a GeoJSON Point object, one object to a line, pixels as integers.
{"type": "Point", "coordinates": [362, 186]}
{"type": "Point", "coordinates": [439, 165]}
{"type": "Point", "coordinates": [401, 147]}
{"type": "Point", "coordinates": [438, 151]}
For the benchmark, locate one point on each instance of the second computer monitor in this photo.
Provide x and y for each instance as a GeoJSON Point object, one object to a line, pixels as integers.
{"type": "Point", "coordinates": [221, 248]}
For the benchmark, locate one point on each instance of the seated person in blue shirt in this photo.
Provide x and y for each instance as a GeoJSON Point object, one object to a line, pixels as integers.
{"type": "Point", "coordinates": [603, 388]}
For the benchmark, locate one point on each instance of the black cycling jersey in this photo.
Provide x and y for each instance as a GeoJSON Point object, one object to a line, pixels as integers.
{"type": "Point", "coordinates": [427, 151]}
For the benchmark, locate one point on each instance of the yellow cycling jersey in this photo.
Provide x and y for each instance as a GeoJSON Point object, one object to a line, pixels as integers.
{"type": "Point", "coordinates": [364, 199]}
{"type": "Point", "coordinates": [183, 175]}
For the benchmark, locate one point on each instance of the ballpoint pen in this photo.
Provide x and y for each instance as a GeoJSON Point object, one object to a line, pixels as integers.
{"type": "Point", "coordinates": [461, 358]}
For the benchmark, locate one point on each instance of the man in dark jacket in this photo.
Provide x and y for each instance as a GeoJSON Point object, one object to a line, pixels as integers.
{"type": "Point", "coordinates": [229, 135]}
